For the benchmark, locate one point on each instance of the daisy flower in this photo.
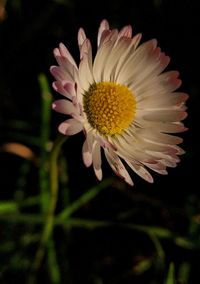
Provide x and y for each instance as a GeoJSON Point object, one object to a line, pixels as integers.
{"type": "Point", "coordinates": [122, 101]}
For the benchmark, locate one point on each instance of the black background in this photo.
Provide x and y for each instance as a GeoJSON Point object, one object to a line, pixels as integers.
{"type": "Point", "coordinates": [28, 35]}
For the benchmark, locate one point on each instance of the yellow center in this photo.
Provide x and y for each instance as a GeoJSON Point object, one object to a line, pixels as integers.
{"type": "Point", "coordinates": [110, 107]}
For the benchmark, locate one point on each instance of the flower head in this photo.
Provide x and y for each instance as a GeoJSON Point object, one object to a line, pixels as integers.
{"type": "Point", "coordinates": [122, 101]}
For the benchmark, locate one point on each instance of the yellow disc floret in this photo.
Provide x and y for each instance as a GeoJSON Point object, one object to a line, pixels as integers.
{"type": "Point", "coordinates": [110, 107]}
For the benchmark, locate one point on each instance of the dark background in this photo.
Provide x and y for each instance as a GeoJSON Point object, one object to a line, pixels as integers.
{"type": "Point", "coordinates": [29, 32]}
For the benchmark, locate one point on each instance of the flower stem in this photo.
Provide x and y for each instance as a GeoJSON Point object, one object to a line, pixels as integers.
{"type": "Point", "coordinates": [48, 226]}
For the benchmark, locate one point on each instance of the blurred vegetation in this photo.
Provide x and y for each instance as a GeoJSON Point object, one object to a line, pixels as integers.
{"type": "Point", "coordinates": [58, 224]}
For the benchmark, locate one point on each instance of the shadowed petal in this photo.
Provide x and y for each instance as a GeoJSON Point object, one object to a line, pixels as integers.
{"type": "Point", "coordinates": [117, 166]}
{"type": "Point", "coordinates": [87, 154]}
{"type": "Point", "coordinates": [96, 158]}
{"type": "Point", "coordinates": [141, 171]}
{"type": "Point", "coordinates": [64, 106]}
{"type": "Point", "coordinates": [70, 127]}
{"type": "Point", "coordinates": [103, 27]}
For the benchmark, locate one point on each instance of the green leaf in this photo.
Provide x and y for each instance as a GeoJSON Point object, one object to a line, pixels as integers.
{"type": "Point", "coordinates": [8, 206]}
{"type": "Point", "coordinates": [46, 99]}
{"type": "Point", "coordinates": [171, 275]}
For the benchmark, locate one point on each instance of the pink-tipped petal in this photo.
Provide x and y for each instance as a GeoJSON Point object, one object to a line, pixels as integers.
{"type": "Point", "coordinates": [125, 32]}
{"type": "Point", "coordinates": [81, 37]}
{"type": "Point", "coordinates": [86, 49]}
{"type": "Point", "coordinates": [103, 27]}
{"type": "Point", "coordinates": [58, 73]}
{"type": "Point", "coordinates": [85, 74]}
{"type": "Point", "coordinates": [58, 87]}
{"type": "Point", "coordinates": [87, 155]}
{"type": "Point", "coordinates": [64, 106]}
{"type": "Point", "coordinates": [70, 127]}
{"type": "Point", "coordinates": [65, 53]}
{"type": "Point", "coordinates": [69, 87]}
{"type": "Point", "coordinates": [141, 171]}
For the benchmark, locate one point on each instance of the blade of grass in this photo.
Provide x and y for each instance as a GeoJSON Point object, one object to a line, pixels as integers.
{"type": "Point", "coordinates": [8, 206]}
{"type": "Point", "coordinates": [161, 233]}
{"type": "Point", "coordinates": [48, 178]}
{"type": "Point", "coordinates": [184, 273]}
{"type": "Point", "coordinates": [46, 100]}
{"type": "Point", "coordinates": [158, 231]}
{"type": "Point", "coordinates": [171, 275]}
{"type": "Point", "coordinates": [49, 222]}
{"type": "Point", "coordinates": [54, 271]}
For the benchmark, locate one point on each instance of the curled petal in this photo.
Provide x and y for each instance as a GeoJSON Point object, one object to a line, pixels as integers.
{"type": "Point", "coordinates": [81, 37]}
{"type": "Point", "coordinates": [64, 106]}
{"type": "Point", "coordinates": [104, 26]}
{"type": "Point", "coordinates": [64, 88]}
{"type": "Point", "coordinates": [70, 127]}
{"type": "Point", "coordinates": [125, 32]}
{"type": "Point", "coordinates": [65, 53]}
{"type": "Point", "coordinates": [86, 76]}
{"type": "Point", "coordinates": [87, 154]}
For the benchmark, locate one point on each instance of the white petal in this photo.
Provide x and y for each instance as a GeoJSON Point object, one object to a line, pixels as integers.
{"type": "Point", "coordinates": [125, 32]}
{"type": "Point", "coordinates": [152, 144]}
{"type": "Point", "coordinates": [86, 49]}
{"type": "Point", "coordinates": [162, 115]}
{"type": "Point", "coordinates": [136, 62]}
{"type": "Point", "coordinates": [113, 58]}
{"type": "Point", "coordinates": [162, 101]}
{"type": "Point", "coordinates": [130, 149]}
{"type": "Point", "coordinates": [87, 154]}
{"type": "Point", "coordinates": [65, 53]}
{"type": "Point", "coordinates": [158, 167]}
{"type": "Point", "coordinates": [81, 37]}
{"type": "Point", "coordinates": [163, 84]}
{"type": "Point", "coordinates": [70, 127]}
{"type": "Point", "coordinates": [141, 171]}
{"type": "Point", "coordinates": [146, 67]}
{"type": "Point", "coordinates": [136, 40]}
{"type": "Point", "coordinates": [165, 127]}
{"type": "Point", "coordinates": [103, 27]}
{"type": "Point", "coordinates": [102, 54]}
{"type": "Point", "coordinates": [67, 67]}
{"type": "Point", "coordinates": [129, 51]}
{"type": "Point", "coordinates": [85, 75]}
{"type": "Point", "coordinates": [154, 136]}
{"type": "Point", "coordinates": [104, 143]}
{"type": "Point", "coordinates": [96, 158]}
{"type": "Point", "coordinates": [167, 160]}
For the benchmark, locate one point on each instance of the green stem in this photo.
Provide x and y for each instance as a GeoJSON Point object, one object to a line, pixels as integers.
{"type": "Point", "coordinates": [46, 99]}
{"type": "Point", "coordinates": [48, 227]}
{"type": "Point", "coordinates": [159, 249]}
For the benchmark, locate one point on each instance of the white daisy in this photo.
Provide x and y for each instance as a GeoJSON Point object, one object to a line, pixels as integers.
{"type": "Point", "coordinates": [122, 101]}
